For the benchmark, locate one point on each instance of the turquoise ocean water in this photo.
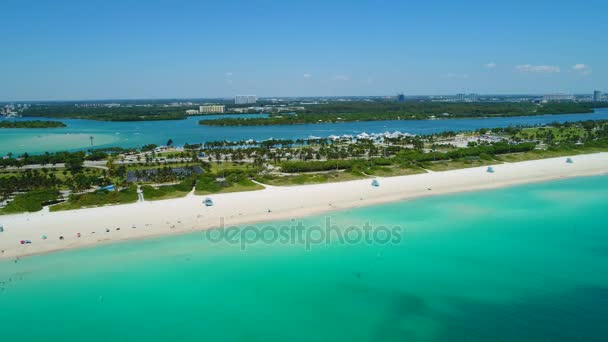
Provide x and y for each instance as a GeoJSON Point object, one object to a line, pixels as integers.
{"type": "Point", "coordinates": [528, 263]}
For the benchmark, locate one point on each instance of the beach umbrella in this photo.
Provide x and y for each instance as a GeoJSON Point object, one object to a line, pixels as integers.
{"type": "Point", "coordinates": [569, 160]}
{"type": "Point", "coordinates": [490, 169]}
{"type": "Point", "coordinates": [43, 237]}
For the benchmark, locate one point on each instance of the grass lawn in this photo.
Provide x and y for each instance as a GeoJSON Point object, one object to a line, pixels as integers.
{"type": "Point", "coordinates": [154, 165]}
{"type": "Point", "coordinates": [58, 172]}
{"type": "Point", "coordinates": [30, 202]}
{"type": "Point", "coordinates": [227, 167]}
{"type": "Point", "coordinates": [162, 192]}
{"type": "Point", "coordinates": [561, 134]}
{"type": "Point", "coordinates": [98, 198]}
{"type": "Point", "coordinates": [242, 185]}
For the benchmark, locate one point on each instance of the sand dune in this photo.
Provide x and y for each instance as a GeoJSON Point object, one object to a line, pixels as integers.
{"type": "Point", "coordinates": [139, 220]}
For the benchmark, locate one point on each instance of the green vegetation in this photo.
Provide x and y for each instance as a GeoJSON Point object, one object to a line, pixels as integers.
{"type": "Point", "coordinates": [394, 170]}
{"type": "Point", "coordinates": [31, 201]}
{"type": "Point", "coordinates": [103, 113]}
{"type": "Point", "coordinates": [463, 163]}
{"type": "Point", "coordinates": [329, 112]}
{"type": "Point", "coordinates": [482, 151]}
{"type": "Point", "coordinates": [98, 198]}
{"type": "Point", "coordinates": [233, 182]}
{"type": "Point", "coordinates": [31, 124]}
{"type": "Point", "coordinates": [327, 165]}
{"type": "Point", "coordinates": [314, 178]}
{"type": "Point", "coordinates": [374, 111]}
{"type": "Point", "coordinates": [557, 135]}
{"type": "Point", "coordinates": [74, 159]}
{"type": "Point", "coordinates": [168, 191]}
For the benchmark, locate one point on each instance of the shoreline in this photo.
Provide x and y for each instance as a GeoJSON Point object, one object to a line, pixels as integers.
{"type": "Point", "coordinates": [103, 225]}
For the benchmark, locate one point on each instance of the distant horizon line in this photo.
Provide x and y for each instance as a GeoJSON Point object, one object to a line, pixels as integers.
{"type": "Point", "coordinates": [297, 97]}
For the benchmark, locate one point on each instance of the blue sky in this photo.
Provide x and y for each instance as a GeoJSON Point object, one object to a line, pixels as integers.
{"type": "Point", "coordinates": [62, 49]}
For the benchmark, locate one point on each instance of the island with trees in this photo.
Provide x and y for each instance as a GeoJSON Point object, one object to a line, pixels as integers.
{"type": "Point", "coordinates": [104, 113]}
{"type": "Point", "coordinates": [421, 110]}
{"type": "Point", "coordinates": [31, 124]}
{"type": "Point", "coordinates": [299, 112]}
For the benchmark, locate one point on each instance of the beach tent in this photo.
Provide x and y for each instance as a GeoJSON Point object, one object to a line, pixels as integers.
{"type": "Point", "coordinates": [208, 202]}
{"type": "Point", "coordinates": [1, 228]}
{"type": "Point", "coordinates": [375, 183]}
{"type": "Point", "coordinates": [490, 169]}
{"type": "Point", "coordinates": [569, 160]}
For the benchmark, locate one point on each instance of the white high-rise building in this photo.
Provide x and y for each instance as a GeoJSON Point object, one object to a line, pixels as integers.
{"type": "Point", "coordinates": [211, 109]}
{"type": "Point", "coordinates": [245, 99]}
{"type": "Point", "coordinates": [597, 96]}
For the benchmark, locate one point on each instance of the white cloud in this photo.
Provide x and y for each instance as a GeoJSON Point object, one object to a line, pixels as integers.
{"type": "Point", "coordinates": [583, 69]}
{"type": "Point", "coordinates": [538, 68]}
{"type": "Point", "coordinates": [341, 78]}
{"type": "Point", "coordinates": [228, 78]}
{"type": "Point", "coordinates": [454, 75]}
{"type": "Point", "coordinates": [307, 75]}
{"type": "Point", "coordinates": [490, 65]}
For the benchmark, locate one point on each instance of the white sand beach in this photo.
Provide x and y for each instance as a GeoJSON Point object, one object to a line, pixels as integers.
{"type": "Point", "coordinates": [146, 219]}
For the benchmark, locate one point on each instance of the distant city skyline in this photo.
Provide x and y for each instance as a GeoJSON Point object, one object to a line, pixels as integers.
{"type": "Point", "coordinates": [75, 50]}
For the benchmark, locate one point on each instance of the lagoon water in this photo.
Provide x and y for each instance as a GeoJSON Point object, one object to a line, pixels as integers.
{"type": "Point", "coordinates": [136, 134]}
{"type": "Point", "coordinates": [526, 263]}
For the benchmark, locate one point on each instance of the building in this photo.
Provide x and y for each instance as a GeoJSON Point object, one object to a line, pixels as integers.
{"type": "Point", "coordinates": [208, 109]}
{"type": "Point", "coordinates": [461, 97]}
{"type": "Point", "coordinates": [245, 99]}
{"type": "Point", "coordinates": [473, 97]}
{"type": "Point", "coordinates": [192, 112]}
{"type": "Point", "coordinates": [597, 96]}
{"type": "Point", "coordinates": [558, 97]}
{"type": "Point", "coordinates": [400, 98]}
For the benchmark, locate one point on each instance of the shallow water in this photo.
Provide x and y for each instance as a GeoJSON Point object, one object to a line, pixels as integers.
{"type": "Point", "coordinates": [136, 134]}
{"type": "Point", "coordinates": [526, 263]}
